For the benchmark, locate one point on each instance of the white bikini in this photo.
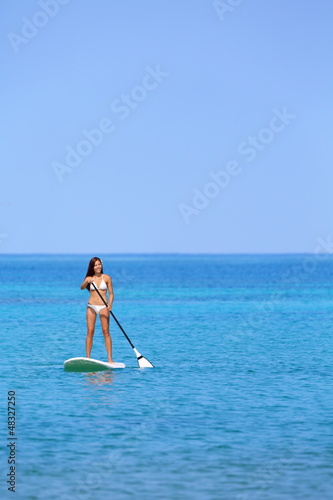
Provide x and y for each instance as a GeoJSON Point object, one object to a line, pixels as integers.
{"type": "Point", "coordinates": [102, 286]}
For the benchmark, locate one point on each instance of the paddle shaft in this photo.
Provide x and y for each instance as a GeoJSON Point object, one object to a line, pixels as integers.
{"type": "Point", "coordinates": [121, 328]}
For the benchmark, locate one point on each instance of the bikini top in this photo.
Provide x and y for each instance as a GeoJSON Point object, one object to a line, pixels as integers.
{"type": "Point", "coordinates": [101, 287]}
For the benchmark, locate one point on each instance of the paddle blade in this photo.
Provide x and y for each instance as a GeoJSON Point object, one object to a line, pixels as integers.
{"type": "Point", "coordinates": [142, 361]}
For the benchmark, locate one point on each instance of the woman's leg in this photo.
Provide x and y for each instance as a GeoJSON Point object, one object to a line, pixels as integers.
{"type": "Point", "coordinates": [105, 320]}
{"type": "Point", "coordinates": [91, 320]}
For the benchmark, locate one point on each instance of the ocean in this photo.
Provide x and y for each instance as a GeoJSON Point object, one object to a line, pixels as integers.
{"type": "Point", "coordinates": [239, 405]}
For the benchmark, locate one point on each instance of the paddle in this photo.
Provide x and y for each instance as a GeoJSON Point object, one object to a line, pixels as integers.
{"type": "Point", "coordinates": [142, 361]}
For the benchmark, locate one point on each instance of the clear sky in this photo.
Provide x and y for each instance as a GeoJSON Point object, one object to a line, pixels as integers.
{"type": "Point", "coordinates": [166, 126]}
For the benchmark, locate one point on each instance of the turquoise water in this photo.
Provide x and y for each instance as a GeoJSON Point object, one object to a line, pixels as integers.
{"type": "Point", "coordinates": [240, 402]}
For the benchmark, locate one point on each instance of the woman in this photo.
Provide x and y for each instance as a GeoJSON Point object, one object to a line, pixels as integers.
{"type": "Point", "coordinates": [96, 305]}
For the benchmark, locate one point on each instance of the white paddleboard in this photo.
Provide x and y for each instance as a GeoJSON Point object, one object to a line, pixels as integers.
{"type": "Point", "coordinates": [89, 365]}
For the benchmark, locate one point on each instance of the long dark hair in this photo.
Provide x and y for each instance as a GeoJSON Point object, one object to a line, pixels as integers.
{"type": "Point", "coordinates": [90, 270]}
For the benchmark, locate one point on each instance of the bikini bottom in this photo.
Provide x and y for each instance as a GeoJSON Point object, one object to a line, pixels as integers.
{"type": "Point", "coordinates": [97, 309]}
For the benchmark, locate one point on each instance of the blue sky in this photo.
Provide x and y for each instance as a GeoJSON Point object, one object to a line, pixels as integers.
{"type": "Point", "coordinates": [149, 126]}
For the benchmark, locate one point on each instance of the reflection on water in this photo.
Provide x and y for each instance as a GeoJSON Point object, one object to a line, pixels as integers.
{"type": "Point", "coordinates": [100, 378]}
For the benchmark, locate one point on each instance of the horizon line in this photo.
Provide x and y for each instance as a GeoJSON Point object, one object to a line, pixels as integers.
{"type": "Point", "coordinates": [157, 253]}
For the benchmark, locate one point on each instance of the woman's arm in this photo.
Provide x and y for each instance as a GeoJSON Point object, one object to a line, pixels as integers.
{"type": "Point", "coordinates": [111, 294]}
{"type": "Point", "coordinates": [88, 280]}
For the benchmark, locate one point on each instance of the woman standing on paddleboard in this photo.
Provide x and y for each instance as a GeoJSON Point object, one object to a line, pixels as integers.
{"type": "Point", "coordinates": [96, 306]}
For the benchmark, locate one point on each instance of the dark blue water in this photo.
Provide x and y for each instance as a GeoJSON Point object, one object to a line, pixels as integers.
{"type": "Point", "coordinates": [239, 404]}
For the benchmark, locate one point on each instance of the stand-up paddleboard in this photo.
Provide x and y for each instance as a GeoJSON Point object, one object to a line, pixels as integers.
{"type": "Point", "coordinates": [89, 365]}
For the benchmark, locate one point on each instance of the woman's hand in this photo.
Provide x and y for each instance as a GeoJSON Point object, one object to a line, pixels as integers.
{"type": "Point", "coordinates": [86, 282]}
{"type": "Point", "coordinates": [110, 307]}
